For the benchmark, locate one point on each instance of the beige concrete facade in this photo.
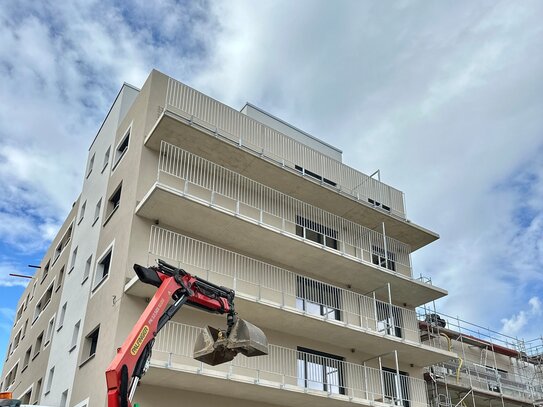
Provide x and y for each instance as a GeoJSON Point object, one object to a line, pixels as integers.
{"type": "Point", "coordinates": [318, 253]}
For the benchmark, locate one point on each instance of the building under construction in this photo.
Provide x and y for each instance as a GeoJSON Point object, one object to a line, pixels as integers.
{"type": "Point", "coordinates": [319, 255]}
{"type": "Point", "coordinates": [491, 369]}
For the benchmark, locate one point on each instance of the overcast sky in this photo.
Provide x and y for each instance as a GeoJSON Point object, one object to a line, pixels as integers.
{"type": "Point", "coordinates": [445, 98]}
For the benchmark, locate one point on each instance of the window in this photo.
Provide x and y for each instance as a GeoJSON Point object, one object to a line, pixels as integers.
{"type": "Point", "coordinates": [50, 380]}
{"type": "Point", "coordinates": [26, 359]}
{"type": "Point", "coordinates": [11, 376]}
{"type": "Point", "coordinates": [378, 257]}
{"type": "Point", "coordinates": [97, 211]}
{"type": "Point", "coordinates": [68, 235]}
{"type": "Point", "coordinates": [315, 175]}
{"type": "Point", "coordinates": [74, 257]}
{"type": "Point", "coordinates": [91, 342]}
{"type": "Point", "coordinates": [82, 211]}
{"type": "Point", "coordinates": [60, 278]}
{"type": "Point", "coordinates": [75, 336]}
{"type": "Point", "coordinates": [106, 159]}
{"type": "Point", "coordinates": [50, 329]}
{"type": "Point", "coordinates": [102, 269]}
{"type": "Point", "coordinates": [91, 164]}
{"type": "Point", "coordinates": [87, 269]}
{"type": "Point", "coordinates": [377, 203]}
{"type": "Point", "coordinates": [396, 387]}
{"type": "Point", "coordinates": [320, 371]}
{"type": "Point", "coordinates": [37, 392]}
{"type": "Point", "coordinates": [33, 289]}
{"type": "Point", "coordinates": [43, 302]}
{"type": "Point", "coordinates": [122, 148]}
{"type": "Point", "coordinates": [114, 201]}
{"type": "Point", "coordinates": [61, 316]}
{"type": "Point", "coordinates": [318, 298]}
{"type": "Point", "coordinates": [26, 302]}
{"type": "Point", "coordinates": [63, 243]}
{"type": "Point", "coordinates": [25, 399]}
{"type": "Point", "coordinates": [17, 339]}
{"type": "Point", "coordinates": [317, 233]}
{"type": "Point", "coordinates": [19, 314]}
{"type": "Point", "coordinates": [25, 326]}
{"type": "Point", "coordinates": [45, 271]}
{"type": "Point", "coordinates": [37, 345]}
{"type": "Point", "coordinates": [389, 319]}
{"type": "Point", "coordinates": [64, 398]}
{"type": "Point", "coordinates": [58, 250]}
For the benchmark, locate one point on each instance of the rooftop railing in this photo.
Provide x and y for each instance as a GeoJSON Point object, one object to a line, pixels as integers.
{"type": "Point", "coordinates": [218, 186]}
{"type": "Point", "coordinates": [485, 336]}
{"type": "Point", "coordinates": [291, 369]}
{"type": "Point", "coordinates": [258, 281]}
{"type": "Point", "coordinates": [245, 132]}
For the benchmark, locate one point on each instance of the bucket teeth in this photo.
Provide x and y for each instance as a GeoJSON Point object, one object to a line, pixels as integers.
{"type": "Point", "coordinates": [213, 348]}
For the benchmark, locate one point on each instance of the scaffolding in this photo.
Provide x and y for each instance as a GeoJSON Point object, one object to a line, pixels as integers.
{"type": "Point", "coordinates": [492, 369]}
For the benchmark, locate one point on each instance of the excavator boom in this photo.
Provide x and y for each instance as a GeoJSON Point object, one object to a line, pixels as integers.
{"type": "Point", "coordinates": [213, 346]}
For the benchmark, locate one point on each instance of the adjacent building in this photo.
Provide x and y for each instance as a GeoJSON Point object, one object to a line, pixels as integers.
{"type": "Point", "coordinates": [319, 255]}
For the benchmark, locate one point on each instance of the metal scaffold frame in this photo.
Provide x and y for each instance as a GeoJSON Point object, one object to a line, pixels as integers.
{"type": "Point", "coordinates": [509, 370]}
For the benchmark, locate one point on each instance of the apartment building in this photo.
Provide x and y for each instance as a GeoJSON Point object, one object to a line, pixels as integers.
{"type": "Point", "coordinates": [319, 255]}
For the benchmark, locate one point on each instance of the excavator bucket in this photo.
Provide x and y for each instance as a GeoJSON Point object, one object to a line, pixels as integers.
{"type": "Point", "coordinates": [248, 339]}
{"type": "Point", "coordinates": [213, 348]}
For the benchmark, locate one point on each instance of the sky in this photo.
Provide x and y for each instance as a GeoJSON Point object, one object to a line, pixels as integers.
{"type": "Point", "coordinates": [444, 98]}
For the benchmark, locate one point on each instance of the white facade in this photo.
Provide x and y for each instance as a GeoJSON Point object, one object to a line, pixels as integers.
{"type": "Point", "coordinates": [64, 356]}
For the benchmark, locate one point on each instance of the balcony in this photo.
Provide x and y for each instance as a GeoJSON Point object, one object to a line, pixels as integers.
{"type": "Point", "coordinates": [265, 292]}
{"type": "Point", "coordinates": [285, 376]}
{"type": "Point", "coordinates": [208, 128]}
{"type": "Point", "coordinates": [200, 197]}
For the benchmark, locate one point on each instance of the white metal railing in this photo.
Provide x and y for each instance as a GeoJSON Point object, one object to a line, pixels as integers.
{"type": "Point", "coordinates": [228, 123]}
{"type": "Point", "coordinates": [229, 190]}
{"type": "Point", "coordinates": [489, 379]}
{"type": "Point", "coordinates": [259, 281]}
{"type": "Point", "coordinates": [292, 369]}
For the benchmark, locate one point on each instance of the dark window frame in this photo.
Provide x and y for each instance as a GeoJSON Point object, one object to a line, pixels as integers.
{"type": "Point", "coordinates": [391, 389]}
{"type": "Point", "coordinates": [328, 360]}
{"type": "Point", "coordinates": [315, 175]}
{"type": "Point", "coordinates": [316, 232]}
{"type": "Point", "coordinates": [306, 292]}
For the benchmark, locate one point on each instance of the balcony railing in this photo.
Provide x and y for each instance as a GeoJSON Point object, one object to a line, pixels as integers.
{"type": "Point", "coordinates": [291, 369]}
{"type": "Point", "coordinates": [245, 132]}
{"type": "Point", "coordinates": [195, 176]}
{"type": "Point", "coordinates": [258, 281]}
{"type": "Point", "coordinates": [469, 374]}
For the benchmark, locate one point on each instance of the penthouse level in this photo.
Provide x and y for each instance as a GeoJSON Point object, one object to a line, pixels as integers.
{"type": "Point", "coordinates": [204, 126]}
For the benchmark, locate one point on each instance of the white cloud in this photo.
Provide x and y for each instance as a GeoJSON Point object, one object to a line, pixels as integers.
{"type": "Point", "coordinates": [62, 64]}
{"type": "Point", "coordinates": [7, 268]}
{"type": "Point", "coordinates": [517, 323]}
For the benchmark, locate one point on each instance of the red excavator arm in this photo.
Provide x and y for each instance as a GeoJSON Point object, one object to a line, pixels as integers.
{"type": "Point", "coordinates": [214, 346]}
